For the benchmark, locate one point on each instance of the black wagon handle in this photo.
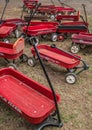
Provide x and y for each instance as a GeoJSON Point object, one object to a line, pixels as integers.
{"type": "Point", "coordinates": [84, 8]}
{"type": "Point", "coordinates": [33, 41]}
{"type": "Point", "coordinates": [52, 2]}
{"type": "Point", "coordinates": [32, 15]}
{"type": "Point", "coordinates": [6, 2]}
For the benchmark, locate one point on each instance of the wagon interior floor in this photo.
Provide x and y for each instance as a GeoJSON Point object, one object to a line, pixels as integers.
{"type": "Point", "coordinates": [58, 57]}
{"type": "Point", "coordinates": [23, 97]}
{"type": "Point", "coordinates": [5, 29]}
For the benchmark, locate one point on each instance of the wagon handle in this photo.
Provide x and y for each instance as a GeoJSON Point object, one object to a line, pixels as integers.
{"type": "Point", "coordinates": [7, 1]}
{"type": "Point", "coordinates": [22, 11]}
{"type": "Point", "coordinates": [48, 79]}
{"type": "Point", "coordinates": [84, 63]}
{"type": "Point", "coordinates": [32, 14]}
{"type": "Point", "coordinates": [83, 5]}
{"type": "Point", "coordinates": [52, 2]}
{"type": "Point", "coordinates": [4, 10]}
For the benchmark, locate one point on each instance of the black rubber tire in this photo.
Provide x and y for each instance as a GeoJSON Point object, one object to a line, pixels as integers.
{"type": "Point", "coordinates": [24, 58]}
{"type": "Point", "coordinates": [54, 37]}
{"type": "Point", "coordinates": [70, 78]}
{"type": "Point", "coordinates": [75, 48]}
{"type": "Point", "coordinates": [31, 61]}
{"type": "Point", "coordinates": [12, 66]}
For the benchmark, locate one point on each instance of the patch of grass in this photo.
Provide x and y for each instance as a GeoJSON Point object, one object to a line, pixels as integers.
{"type": "Point", "coordinates": [77, 124]}
{"type": "Point", "coordinates": [2, 119]}
{"type": "Point", "coordinates": [67, 118]}
{"type": "Point", "coordinates": [90, 92]}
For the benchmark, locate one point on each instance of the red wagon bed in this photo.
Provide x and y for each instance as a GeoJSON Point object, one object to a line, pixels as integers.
{"type": "Point", "coordinates": [56, 56]}
{"type": "Point", "coordinates": [82, 38]}
{"type": "Point", "coordinates": [39, 29]}
{"type": "Point", "coordinates": [42, 30]}
{"type": "Point", "coordinates": [13, 51]}
{"type": "Point", "coordinates": [80, 41]}
{"type": "Point", "coordinates": [60, 57]}
{"type": "Point", "coordinates": [6, 29]}
{"type": "Point", "coordinates": [29, 98]}
{"type": "Point", "coordinates": [68, 17]}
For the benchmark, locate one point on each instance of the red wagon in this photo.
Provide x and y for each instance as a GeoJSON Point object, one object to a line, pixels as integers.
{"type": "Point", "coordinates": [53, 11]}
{"type": "Point", "coordinates": [30, 99]}
{"type": "Point", "coordinates": [32, 23]}
{"type": "Point", "coordinates": [80, 41]}
{"type": "Point", "coordinates": [40, 30]}
{"type": "Point", "coordinates": [62, 58]}
{"type": "Point", "coordinates": [7, 29]}
{"type": "Point", "coordinates": [57, 31]}
{"type": "Point", "coordinates": [63, 10]}
{"type": "Point", "coordinates": [83, 23]}
{"type": "Point", "coordinates": [17, 21]}
{"type": "Point", "coordinates": [73, 17]}
{"type": "Point", "coordinates": [65, 29]}
{"type": "Point", "coordinates": [30, 4]}
{"type": "Point", "coordinates": [13, 51]}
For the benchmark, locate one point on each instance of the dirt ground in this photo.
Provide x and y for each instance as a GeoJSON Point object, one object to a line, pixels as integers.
{"type": "Point", "coordinates": [76, 100]}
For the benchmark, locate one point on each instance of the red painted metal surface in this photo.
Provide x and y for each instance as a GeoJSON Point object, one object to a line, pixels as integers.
{"type": "Point", "coordinates": [75, 23]}
{"type": "Point", "coordinates": [56, 56]}
{"type": "Point", "coordinates": [12, 51]}
{"type": "Point", "coordinates": [39, 29]}
{"type": "Point", "coordinates": [82, 38]}
{"type": "Point", "coordinates": [69, 17]}
{"type": "Point", "coordinates": [30, 3]}
{"type": "Point", "coordinates": [64, 9]}
{"type": "Point", "coordinates": [29, 98]}
{"type": "Point", "coordinates": [6, 29]}
{"type": "Point", "coordinates": [70, 28]}
{"type": "Point", "coordinates": [16, 21]}
{"type": "Point", "coordinates": [51, 9]}
{"type": "Point", "coordinates": [45, 23]}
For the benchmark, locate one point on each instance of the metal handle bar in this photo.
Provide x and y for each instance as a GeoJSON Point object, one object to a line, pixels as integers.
{"type": "Point", "coordinates": [32, 15]}
{"type": "Point", "coordinates": [4, 9]}
{"type": "Point", "coordinates": [33, 41]}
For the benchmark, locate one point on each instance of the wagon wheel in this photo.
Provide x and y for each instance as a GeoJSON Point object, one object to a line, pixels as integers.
{"type": "Point", "coordinates": [23, 58]}
{"type": "Point", "coordinates": [16, 32]}
{"type": "Point", "coordinates": [31, 61]}
{"type": "Point", "coordinates": [70, 78]}
{"type": "Point", "coordinates": [6, 40]}
{"type": "Point", "coordinates": [12, 66]}
{"type": "Point", "coordinates": [82, 46]}
{"type": "Point", "coordinates": [37, 41]}
{"type": "Point", "coordinates": [61, 38]}
{"type": "Point", "coordinates": [75, 48]}
{"type": "Point", "coordinates": [70, 13]}
{"type": "Point", "coordinates": [28, 11]}
{"type": "Point", "coordinates": [54, 37]}
{"type": "Point", "coordinates": [52, 17]}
